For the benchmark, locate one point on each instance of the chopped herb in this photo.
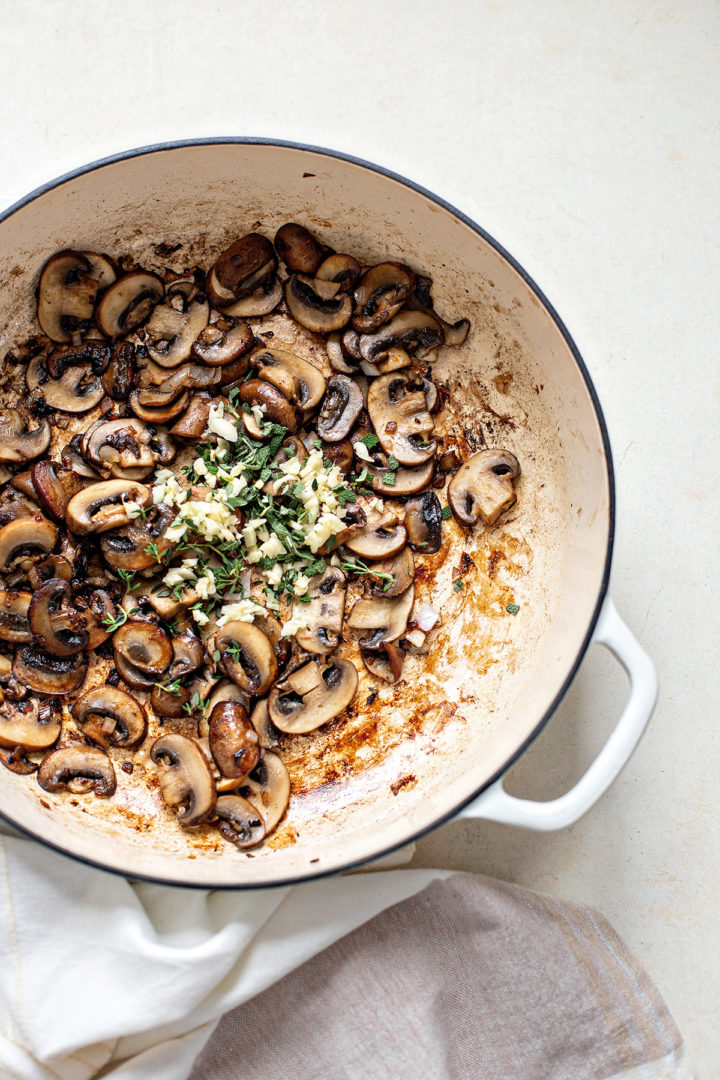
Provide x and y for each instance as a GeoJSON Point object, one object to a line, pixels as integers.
{"type": "Point", "coordinates": [370, 440]}
{"type": "Point", "coordinates": [112, 624]}
{"type": "Point", "coordinates": [128, 579]}
{"type": "Point", "coordinates": [446, 513]}
{"type": "Point", "coordinates": [513, 608]}
{"type": "Point", "coordinates": [317, 443]}
{"type": "Point", "coordinates": [173, 687]}
{"type": "Point", "coordinates": [345, 495]}
{"type": "Point", "coordinates": [357, 566]}
{"type": "Point", "coordinates": [458, 584]}
{"type": "Point", "coordinates": [389, 479]}
{"type": "Point", "coordinates": [393, 463]}
{"type": "Point", "coordinates": [216, 656]}
{"type": "Point", "coordinates": [316, 567]}
{"type": "Point", "coordinates": [152, 549]}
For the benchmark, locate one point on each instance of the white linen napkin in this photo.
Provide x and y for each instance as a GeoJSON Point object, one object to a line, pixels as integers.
{"type": "Point", "coordinates": [99, 976]}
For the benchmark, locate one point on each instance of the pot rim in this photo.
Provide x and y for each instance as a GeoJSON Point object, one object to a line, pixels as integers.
{"type": "Point", "coordinates": [288, 144]}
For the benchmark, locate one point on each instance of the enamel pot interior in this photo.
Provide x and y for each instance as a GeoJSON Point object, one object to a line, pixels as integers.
{"type": "Point", "coordinates": [415, 753]}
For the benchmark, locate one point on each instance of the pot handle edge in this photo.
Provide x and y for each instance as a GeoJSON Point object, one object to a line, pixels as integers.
{"type": "Point", "coordinates": [495, 804]}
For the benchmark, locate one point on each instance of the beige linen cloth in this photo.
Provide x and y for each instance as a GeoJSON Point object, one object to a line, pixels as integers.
{"type": "Point", "coordinates": [470, 978]}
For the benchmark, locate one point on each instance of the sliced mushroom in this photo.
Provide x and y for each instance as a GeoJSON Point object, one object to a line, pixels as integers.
{"type": "Point", "coordinates": [126, 449]}
{"type": "Point", "coordinates": [340, 454]}
{"type": "Point", "coordinates": [188, 655]}
{"type": "Point", "coordinates": [414, 331]}
{"type": "Point", "coordinates": [155, 407]}
{"type": "Point", "coordinates": [423, 521]}
{"type": "Point", "coordinates": [69, 284]}
{"type": "Point", "coordinates": [278, 409]}
{"type": "Point", "coordinates": [142, 651]}
{"type": "Point", "coordinates": [25, 541]}
{"type": "Point", "coordinates": [380, 294]}
{"type": "Point", "coordinates": [18, 446]}
{"type": "Point", "coordinates": [340, 409]}
{"type": "Point", "coordinates": [240, 822]}
{"type": "Point", "coordinates": [261, 302]}
{"type": "Point", "coordinates": [128, 303]}
{"type": "Point", "coordinates": [47, 674]}
{"type": "Point", "coordinates": [385, 663]}
{"type": "Point", "coordinates": [34, 725]}
{"type": "Point", "coordinates": [336, 355]}
{"type": "Point", "coordinates": [55, 486]}
{"type": "Point", "coordinates": [391, 577]}
{"type": "Point", "coordinates": [306, 385]}
{"type": "Point", "coordinates": [16, 760]}
{"type": "Point", "coordinates": [246, 655]}
{"type": "Point", "coordinates": [169, 698]}
{"type": "Point", "coordinates": [184, 777]}
{"type": "Point", "coordinates": [268, 734]}
{"type": "Point", "coordinates": [331, 690]}
{"type": "Point", "coordinates": [100, 507]}
{"type": "Point", "coordinates": [98, 609]}
{"type": "Point", "coordinates": [399, 414]}
{"type": "Point", "coordinates": [71, 458]}
{"type": "Point", "coordinates": [299, 249]}
{"type": "Point", "coordinates": [186, 377]}
{"type": "Point", "coordinates": [342, 269]}
{"type": "Point", "coordinates": [120, 375]}
{"type": "Point", "coordinates": [308, 307]}
{"type": "Point", "coordinates": [246, 266]}
{"type": "Point", "coordinates": [194, 422]}
{"type": "Point", "coordinates": [57, 626]}
{"type": "Point", "coordinates": [324, 613]}
{"type": "Point", "coordinates": [110, 717]}
{"type": "Point", "coordinates": [14, 625]}
{"type": "Point", "coordinates": [175, 325]}
{"type": "Point", "coordinates": [80, 769]}
{"type": "Point", "coordinates": [381, 538]}
{"type": "Point", "coordinates": [268, 789]}
{"type": "Point", "coordinates": [387, 619]}
{"type": "Point", "coordinates": [223, 341]}
{"type": "Point", "coordinates": [234, 742]}
{"type": "Point", "coordinates": [405, 481]}
{"type": "Point", "coordinates": [23, 482]}
{"type": "Point", "coordinates": [15, 508]}
{"type": "Point", "coordinates": [483, 487]}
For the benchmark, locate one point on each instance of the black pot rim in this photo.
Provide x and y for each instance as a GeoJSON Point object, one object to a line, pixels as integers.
{"type": "Point", "coordinates": [450, 814]}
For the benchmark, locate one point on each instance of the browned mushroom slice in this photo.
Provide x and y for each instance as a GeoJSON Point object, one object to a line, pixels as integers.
{"type": "Point", "coordinates": [268, 789]}
{"type": "Point", "coordinates": [186, 377]}
{"type": "Point", "coordinates": [14, 625]}
{"type": "Point", "coordinates": [25, 541]}
{"type": "Point", "coordinates": [54, 676]}
{"type": "Point", "coordinates": [312, 695]}
{"type": "Point", "coordinates": [234, 743]}
{"type": "Point", "coordinates": [110, 717]}
{"type": "Point", "coordinates": [184, 777]}
{"type": "Point", "coordinates": [387, 619]}
{"type": "Point", "coordinates": [194, 422]}
{"type": "Point", "coordinates": [261, 302]}
{"type": "Point", "coordinates": [175, 324]}
{"type": "Point", "coordinates": [278, 410]}
{"type": "Point", "coordinates": [381, 538]}
{"type": "Point", "coordinates": [399, 414]}
{"type": "Point", "coordinates": [246, 655]}
{"type": "Point", "coordinates": [188, 654]}
{"type": "Point", "coordinates": [338, 361]}
{"type": "Point", "coordinates": [16, 760]}
{"type": "Point", "coordinates": [55, 486]}
{"type": "Point", "coordinates": [23, 482]}
{"type": "Point", "coordinates": [342, 269]}
{"type": "Point", "coordinates": [98, 610]}
{"type": "Point", "coordinates": [77, 390]}
{"type": "Point", "coordinates": [340, 454]}
{"type": "Point", "coordinates": [483, 487]}
{"type": "Point", "coordinates": [385, 663]}
{"type": "Point", "coordinates": [324, 613]}
{"type": "Point", "coordinates": [268, 734]}
{"type": "Point", "coordinates": [143, 652]}
{"type": "Point", "coordinates": [423, 521]}
{"type": "Point", "coordinates": [69, 285]}
{"type": "Point", "coordinates": [223, 341]}
{"type": "Point", "coordinates": [296, 378]}
{"type": "Point", "coordinates": [246, 266]}
{"type": "Point", "coordinates": [15, 508]}
{"type": "Point", "coordinates": [414, 331]}
{"type": "Point", "coordinates": [80, 769]}
{"type": "Point", "coordinates": [406, 481]}
{"type": "Point", "coordinates": [240, 822]}
{"type": "Point", "coordinates": [391, 577]}
{"type": "Point", "coordinates": [159, 414]}
{"type": "Point", "coordinates": [57, 626]}
{"type": "Point", "coordinates": [120, 376]}
{"type": "Point", "coordinates": [299, 249]}
{"type": "Point", "coordinates": [71, 458]}
{"type": "Point", "coordinates": [31, 724]}
{"type": "Point", "coordinates": [380, 294]}
{"type": "Point", "coordinates": [340, 408]}
{"type": "Point", "coordinates": [100, 507]}
{"type": "Point", "coordinates": [128, 303]}
{"type": "Point", "coordinates": [126, 449]}
{"type": "Point", "coordinates": [311, 310]}
{"type": "Point", "coordinates": [18, 446]}
{"type": "Point", "coordinates": [169, 698]}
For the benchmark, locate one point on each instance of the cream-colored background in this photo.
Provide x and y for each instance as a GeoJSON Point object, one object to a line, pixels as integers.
{"type": "Point", "coordinates": [584, 137]}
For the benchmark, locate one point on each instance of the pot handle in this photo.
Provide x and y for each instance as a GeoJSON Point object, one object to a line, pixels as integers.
{"type": "Point", "coordinates": [496, 805]}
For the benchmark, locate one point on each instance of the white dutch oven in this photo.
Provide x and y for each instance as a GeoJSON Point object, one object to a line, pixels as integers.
{"type": "Point", "coordinates": [437, 745]}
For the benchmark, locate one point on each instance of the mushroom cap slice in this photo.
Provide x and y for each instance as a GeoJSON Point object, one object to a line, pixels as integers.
{"type": "Point", "coordinates": [161, 413]}
{"type": "Point", "coordinates": [282, 368]}
{"type": "Point", "coordinates": [25, 540]}
{"type": "Point", "coordinates": [414, 331]}
{"type": "Point", "coordinates": [31, 724]}
{"type": "Point", "coordinates": [278, 409]}
{"type": "Point", "coordinates": [407, 480]}
{"type": "Point", "coordinates": [268, 734]}
{"type": "Point", "coordinates": [398, 411]}
{"type": "Point", "coordinates": [67, 290]}
{"type": "Point", "coordinates": [242, 269]}
{"type": "Point", "coordinates": [340, 408]}
{"type": "Point", "coordinates": [308, 307]}
{"type": "Point", "coordinates": [128, 548]}
{"type": "Point", "coordinates": [55, 485]}
{"type": "Point", "coordinates": [100, 507]}
{"type": "Point", "coordinates": [120, 375]}
{"type": "Point", "coordinates": [128, 303]}
{"type": "Point", "coordinates": [223, 341]}
{"type": "Point", "coordinates": [300, 251]}
{"type": "Point", "coordinates": [343, 269]}
{"type": "Point", "coordinates": [80, 769]}
{"type": "Point", "coordinates": [381, 538]}
{"type": "Point", "coordinates": [175, 325]}
{"type": "Point", "coordinates": [194, 421]}
{"type": "Point", "coordinates": [483, 487]}
{"type": "Point", "coordinates": [234, 742]}
{"type": "Point", "coordinates": [47, 674]}
{"type": "Point", "coordinates": [261, 302]}
{"type": "Point", "coordinates": [268, 789]}
{"type": "Point", "coordinates": [14, 625]}
{"type": "Point", "coordinates": [398, 574]}
{"type": "Point", "coordinates": [188, 654]}
{"type": "Point", "coordinates": [110, 717]}
{"type": "Point", "coordinates": [184, 777]}
{"type": "Point", "coordinates": [379, 295]}
{"type": "Point", "coordinates": [18, 446]}
{"type": "Point", "coordinates": [423, 521]}
{"type": "Point", "coordinates": [57, 627]}
{"type": "Point", "coordinates": [335, 684]}
{"type": "Point", "coordinates": [246, 656]}
{"type": "Point", "coordinates": [240, 822]}
{"type": "Point", "coordinates": [385, 663]}
{"type": "Point", "coordinates": [77, 390]}
{"type": "Point", "coordinates": [324, 613]}
{"type": "Point", "coordinates": [387, 619]}
{"type": "Point", "coordinates": [143, 652]}
{"type": "Point", "coordinates": [126, 448]}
